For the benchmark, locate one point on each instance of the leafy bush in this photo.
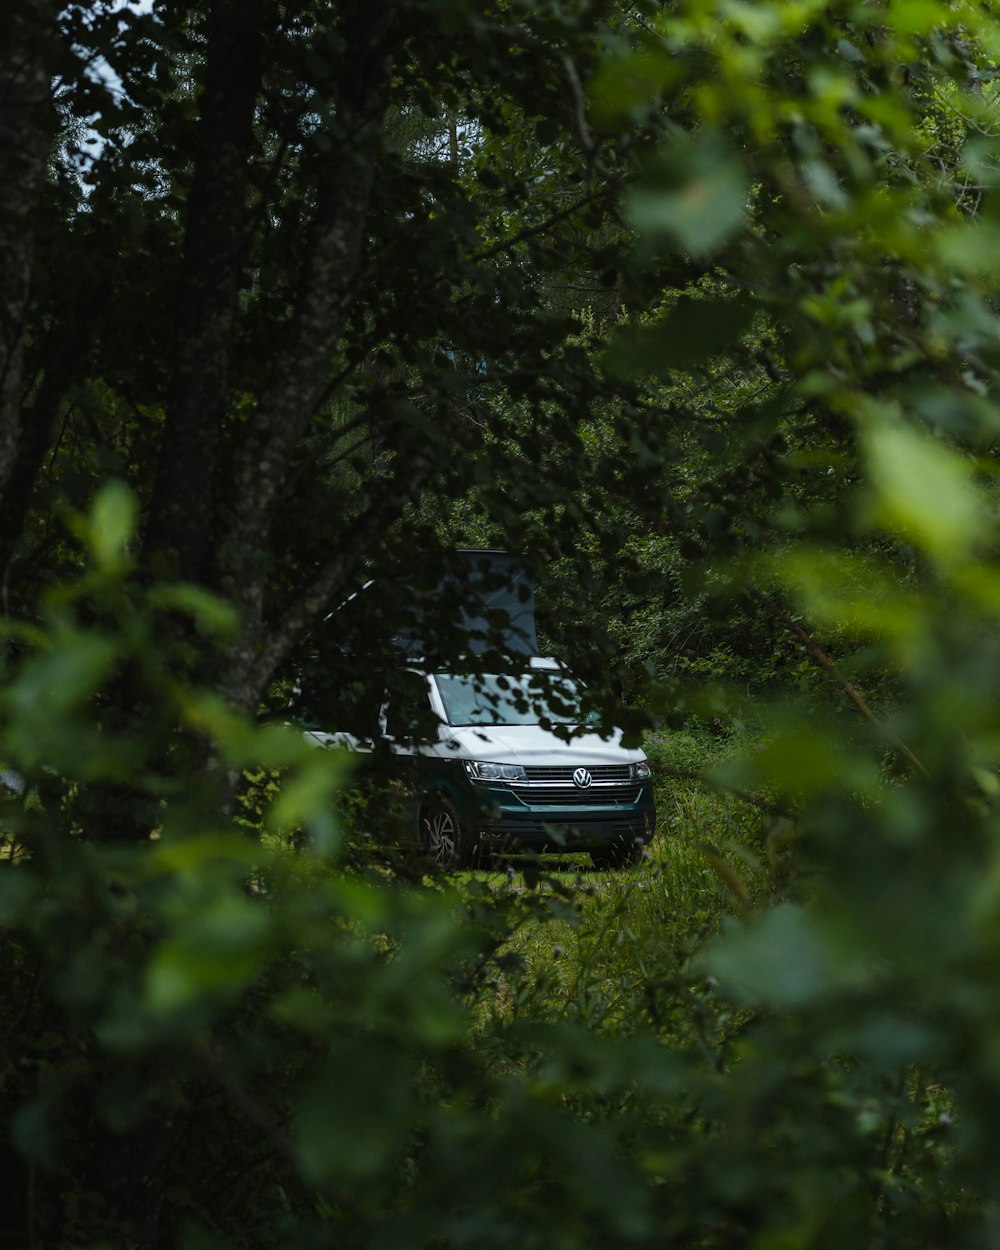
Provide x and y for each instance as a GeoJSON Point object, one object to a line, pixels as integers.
{"type": "Point", "coordinates": [215, 1042]}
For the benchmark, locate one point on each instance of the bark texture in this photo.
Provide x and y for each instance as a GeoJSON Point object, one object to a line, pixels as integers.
{"type": "Point", "coordinates": [180, 523]}
{"type": "Point", "coordinates": [27, 126]}
{"type": "Point", "coordinates": [329, 283]}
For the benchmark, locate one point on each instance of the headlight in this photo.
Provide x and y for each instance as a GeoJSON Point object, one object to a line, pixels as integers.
{"type": "Point", "coordinates": [640, 770]}
{"type": "Point", "coordinates": [480, 770]}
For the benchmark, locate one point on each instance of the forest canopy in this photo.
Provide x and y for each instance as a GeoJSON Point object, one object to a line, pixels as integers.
{"type": "Point", "coordinates": [693, 304]}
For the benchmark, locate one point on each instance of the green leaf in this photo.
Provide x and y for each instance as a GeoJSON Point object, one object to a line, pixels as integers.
{"type": "Point", "coordinates": [922, 490]}
{"type": "Point", "coordinates": [692, 331]}
{"type": "Point", "coordinates": [971, 248]}
{"type": "Point", "coordinates": [212, 614]}
{"type": "Point", "coordinates": [31, 1132]}
{"type": "Point", "coordinates": [217, 951]}
{"type": "Point", "coordinates": [55, 684]}
{"type": "Point", "coordinates": [783, 957]}
{"type": "Point", "coordinates": [112, 523]}
{"type": "Point", "coordinates": [915, 17]}
{"type": "Point", "coordinates": [18, 894]}
{"type": "Point", "coordinates": [193, 853]}
{"type": "Point", "coordinates": [695, 196]}
{"type": "Point", "coordinates": [628, 86]}
{"type": "Point", "coordinates": [849, 594]}
{"type": "Point", "coordinates": [353, 1122]}
{"type": "Point", "coordinates": [306, 799]}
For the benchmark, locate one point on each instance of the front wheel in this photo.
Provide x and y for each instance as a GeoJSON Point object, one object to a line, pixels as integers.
{"type": "Point", "coordinates": [620, 854]}
{"type": "Point", "coordinates": [444, 839]}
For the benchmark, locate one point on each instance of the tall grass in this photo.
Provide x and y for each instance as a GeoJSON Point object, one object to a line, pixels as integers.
{"type": "Point", "coordinates": [614, 948]}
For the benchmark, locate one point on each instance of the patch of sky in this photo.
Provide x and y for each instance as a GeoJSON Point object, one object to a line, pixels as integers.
{"type": "Point", "coordinates": [87, 144]}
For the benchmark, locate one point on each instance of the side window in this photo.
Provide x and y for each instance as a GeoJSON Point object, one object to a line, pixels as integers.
{"type": "Point", "coordinates": [409, 715]}
{"type": "Point", "coordinates": [328, 701]}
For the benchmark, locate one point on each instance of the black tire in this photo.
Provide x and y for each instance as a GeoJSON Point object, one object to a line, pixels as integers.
{"type": "Point", "coordinates": [621, 854]}
{"type": "Point", "coordinates": [444, 839]}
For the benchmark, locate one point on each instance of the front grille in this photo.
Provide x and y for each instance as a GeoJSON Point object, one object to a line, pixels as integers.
{"type": "Point", "coordinates": [596, 795]}
{"type": "Point", "coordinates": [553, 786]}
{"type": "Point", "coordinates": [564, 772]}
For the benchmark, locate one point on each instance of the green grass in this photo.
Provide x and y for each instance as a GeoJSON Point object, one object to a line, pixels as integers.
{"type": "Point", "coordinates": [613, 949]}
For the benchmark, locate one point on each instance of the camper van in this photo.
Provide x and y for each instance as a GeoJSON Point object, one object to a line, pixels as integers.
{"type": "Point", "coordinates": [509, 767]}
{"type": "Point", "coordinates": [503, 760]}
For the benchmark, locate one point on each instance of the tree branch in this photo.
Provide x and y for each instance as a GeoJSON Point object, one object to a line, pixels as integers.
{"type": "Point", "coordinates": [824, 661]}
{"type": "Point", "coordinates": [327, 290]}
{"type": "Point", "coordinates": [180, 513]}
{"type": "Point", "coordinates": [754, 800]}
{"type": "Point", "coordinates": [541, 228]}
{"type": "Point", "coordinates": [27, 126]}
{"type": "Point", "coordinates": [384, 506]}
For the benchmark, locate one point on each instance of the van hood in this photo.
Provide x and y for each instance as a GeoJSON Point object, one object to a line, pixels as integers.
{"type": "Point", "coordinates": [530, 744]}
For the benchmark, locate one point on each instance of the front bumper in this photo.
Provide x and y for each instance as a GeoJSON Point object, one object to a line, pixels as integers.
{"type": "Point", "coordinates": [502, 819]}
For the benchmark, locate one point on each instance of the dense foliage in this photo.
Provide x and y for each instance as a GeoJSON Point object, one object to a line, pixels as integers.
{"type": "Point", "coordinates": [695, 304]}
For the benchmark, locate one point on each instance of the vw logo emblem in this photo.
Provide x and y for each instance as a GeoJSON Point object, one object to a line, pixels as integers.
{"type": "Point", "coordinates": [582, 778]}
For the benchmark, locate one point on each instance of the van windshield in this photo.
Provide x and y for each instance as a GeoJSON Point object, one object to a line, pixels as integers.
{"type": "Point", "coordinates": [496, 700]}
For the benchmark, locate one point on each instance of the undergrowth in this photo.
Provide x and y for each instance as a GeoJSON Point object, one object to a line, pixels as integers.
{"type": "Point", "coordinates": [613, 949]}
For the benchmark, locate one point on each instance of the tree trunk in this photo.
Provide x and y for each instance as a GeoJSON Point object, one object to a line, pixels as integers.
{"type": "Point", "coordinates": [179, 527]}
{"type": "Point", "coordinates": [27, 126]}
{"type": "Point", "coordinates": [328, 289]}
